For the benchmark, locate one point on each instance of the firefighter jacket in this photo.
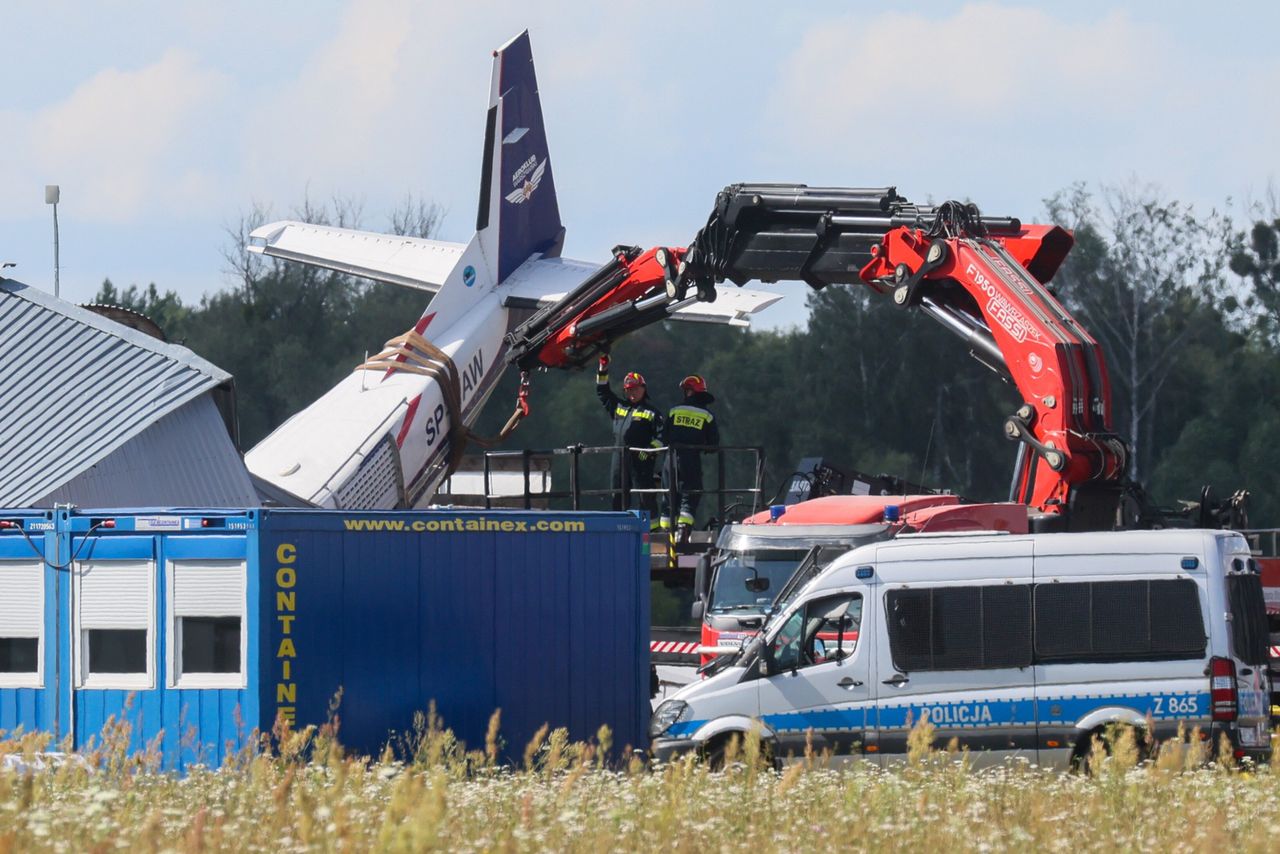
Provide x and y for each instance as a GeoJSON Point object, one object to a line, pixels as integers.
{"type": "Point", "coordinates": [692, 423]}
{"type": "Point", "coordinates": [634, 425]}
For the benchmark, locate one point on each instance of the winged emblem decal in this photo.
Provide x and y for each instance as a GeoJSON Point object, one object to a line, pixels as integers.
{"type": "Point", "coordinates": [524, 191]}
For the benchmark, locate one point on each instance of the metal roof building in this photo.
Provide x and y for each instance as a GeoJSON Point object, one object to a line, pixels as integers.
{"type": "Point", "coordinates": [95, 413]}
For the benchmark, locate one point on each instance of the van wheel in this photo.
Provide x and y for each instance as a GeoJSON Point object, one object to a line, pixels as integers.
{"type": "Point", "coordinates": [715, 753]}
{"type": "Point", "coordinates": [1082, 757]}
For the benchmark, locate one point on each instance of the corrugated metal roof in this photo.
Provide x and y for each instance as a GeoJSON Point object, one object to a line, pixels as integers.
{"type": "Point", "coordinates": [185, 459]}
{"type": "Point", "coordinates": [74, 387]}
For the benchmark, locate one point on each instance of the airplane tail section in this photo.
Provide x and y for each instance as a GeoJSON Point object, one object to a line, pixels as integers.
{"type": "Point", "coordinates": [518, 213]}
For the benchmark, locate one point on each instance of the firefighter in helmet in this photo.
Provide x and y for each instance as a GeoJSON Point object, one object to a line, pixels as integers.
{"type": "Point", "coordinates": [691, 429]}
{"type": "Point", "coordinates": [636, 424]}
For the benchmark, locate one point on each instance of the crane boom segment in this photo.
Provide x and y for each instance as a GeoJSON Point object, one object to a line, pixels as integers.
{"type": "Point", "coordinates": [984, 278]}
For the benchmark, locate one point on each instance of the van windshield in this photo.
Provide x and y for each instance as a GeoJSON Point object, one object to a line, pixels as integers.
{"type": "Point", "coordinates": [730, 591]}
{"type": "Point", "coordinates": [1249, 633]}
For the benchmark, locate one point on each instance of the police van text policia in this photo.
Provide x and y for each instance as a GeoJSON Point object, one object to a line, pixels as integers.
{"type": "Point", "coordinates": [1012, 645]}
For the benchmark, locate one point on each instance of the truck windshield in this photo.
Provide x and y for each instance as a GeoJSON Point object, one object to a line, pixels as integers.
{"type": "Point", "coordinates": [729, 591]}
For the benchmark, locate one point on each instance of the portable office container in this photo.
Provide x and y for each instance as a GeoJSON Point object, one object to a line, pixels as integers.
{"type": "Point", "coordinates": [201, 627]}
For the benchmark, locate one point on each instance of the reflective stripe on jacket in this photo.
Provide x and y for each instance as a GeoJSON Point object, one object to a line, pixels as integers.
{"type": "Point", "coordinates": [634, 425]}
{"type": "Point", "coordinates": [691, 423]}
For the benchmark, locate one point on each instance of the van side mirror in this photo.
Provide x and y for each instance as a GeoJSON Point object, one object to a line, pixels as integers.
{"type": "Point", "coordinates": [757, 584]}
{"type": "Point", "coordinates": [697, 610]}
{"type": "Point", "coordinates": [765, 665]}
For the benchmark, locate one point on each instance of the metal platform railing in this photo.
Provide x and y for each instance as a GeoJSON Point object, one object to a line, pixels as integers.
{"type": "Point", "coordinates": [1264, 541]}
{"type": "Point", "coordinates": [577, 492]}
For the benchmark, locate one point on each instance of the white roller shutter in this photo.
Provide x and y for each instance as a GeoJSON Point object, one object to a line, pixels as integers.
{"type": "Point", "coordinates": [114, 594]}
{"type": "Point", "coordinates": [21, 599]}
{"type": "Point", "coordinates": [208, 588]}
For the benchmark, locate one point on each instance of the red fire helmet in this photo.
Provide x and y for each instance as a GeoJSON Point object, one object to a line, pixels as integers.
{"type": "Point", "coordinates": [632, 380]}
{"type": "Point", "coordinates": [694, 383]}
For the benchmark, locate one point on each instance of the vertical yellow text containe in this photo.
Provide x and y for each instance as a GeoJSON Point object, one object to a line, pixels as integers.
{"type": "Point", "coordinates": [286, 613]}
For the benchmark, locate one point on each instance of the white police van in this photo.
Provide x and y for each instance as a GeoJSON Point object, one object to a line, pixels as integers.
{"type": "Point", "coordinates": [1013, 645]}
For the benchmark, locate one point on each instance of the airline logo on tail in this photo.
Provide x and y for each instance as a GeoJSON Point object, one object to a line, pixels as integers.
{"type": "Point", "coordinates": [524, 191]}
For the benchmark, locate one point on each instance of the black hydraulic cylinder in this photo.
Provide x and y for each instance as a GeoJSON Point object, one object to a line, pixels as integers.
{"type": "Point", "coordinates": [613, 323]}
{"type": "Point", "coordinates": [819, 235]}
{"type": "Point", "coordinates": [607, 319]}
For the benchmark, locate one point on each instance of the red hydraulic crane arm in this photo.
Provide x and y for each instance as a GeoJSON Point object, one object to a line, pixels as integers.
{"type": "Point", "coordinates": [986, 287]}
{"type": "Point", "coordinates": [633, 289]}
{"type": "Point", "coordinates": [982, 277]}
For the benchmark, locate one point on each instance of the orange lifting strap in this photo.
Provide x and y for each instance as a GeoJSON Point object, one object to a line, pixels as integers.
{"type": "Point", "coordinates": [411, 353]}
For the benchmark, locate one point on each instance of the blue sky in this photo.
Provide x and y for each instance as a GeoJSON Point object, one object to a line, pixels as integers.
{"type": "Point", "coordinates": [165, 122]}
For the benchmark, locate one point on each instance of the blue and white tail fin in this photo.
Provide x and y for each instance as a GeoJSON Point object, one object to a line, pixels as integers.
{"type": "Point", "coordinates": [518, 213]}
{"type": "Point", "coordinates": [518, 216]}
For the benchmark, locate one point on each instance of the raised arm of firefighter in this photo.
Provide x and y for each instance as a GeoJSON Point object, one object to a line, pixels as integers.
{"type": "Point", "coordinates": [603, 391]}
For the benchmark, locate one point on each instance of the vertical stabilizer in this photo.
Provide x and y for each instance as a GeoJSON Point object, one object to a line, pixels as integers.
{"type": "Point", "coordinates": [518, 213]}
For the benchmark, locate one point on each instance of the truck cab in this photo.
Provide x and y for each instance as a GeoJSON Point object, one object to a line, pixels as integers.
{"type": "Point", "coordinates": [737, 583]}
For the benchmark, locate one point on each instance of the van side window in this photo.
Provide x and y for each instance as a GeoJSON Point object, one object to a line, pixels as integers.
{"type": "Point", "coordinates": [1102, 621]}
{"type": "Point", "coordinates": [822, 630]}
{"type": "Point", "coordinates": [960, 628]}
{"type": "Point", "coordinates": [1250, 635]}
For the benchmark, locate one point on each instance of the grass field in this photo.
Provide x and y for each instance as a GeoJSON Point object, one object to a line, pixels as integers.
{"type": "Point", "coordinates": [565, 798]}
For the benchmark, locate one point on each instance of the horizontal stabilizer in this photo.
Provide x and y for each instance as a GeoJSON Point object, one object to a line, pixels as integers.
{"type": "Point", "coordinates": [410, 261]}
{"type": "Point", "coordinates": [546, 281]}
{"type": "Point", "coordinates": [733, 306]}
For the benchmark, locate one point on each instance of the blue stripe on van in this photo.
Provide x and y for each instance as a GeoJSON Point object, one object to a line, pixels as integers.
{"type": "Point", "coordinates": [978, 714]}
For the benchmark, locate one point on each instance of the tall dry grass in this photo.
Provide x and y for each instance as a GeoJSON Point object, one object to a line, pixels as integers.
{"type": "Point", "coordinates": [432, 793]}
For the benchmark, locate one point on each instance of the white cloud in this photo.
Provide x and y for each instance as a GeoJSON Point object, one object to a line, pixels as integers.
{"type": "Point", "coordinates": [393, 101]}
{"type": "Point", "coordinates": [987, 61]}
{"type": "Point", "coordinates": [1006, 104]}
{"type": "Point", "coordinates": [117, 145]}
{"type": "Point", "coordinates": [353, 112]}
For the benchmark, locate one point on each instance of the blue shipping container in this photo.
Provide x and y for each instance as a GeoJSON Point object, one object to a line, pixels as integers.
{"type": "Point", "coordinates": [201, 626]}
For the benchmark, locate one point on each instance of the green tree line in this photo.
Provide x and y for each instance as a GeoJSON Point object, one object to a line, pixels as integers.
{"type": "Point", "coordinates": [1185, 303]}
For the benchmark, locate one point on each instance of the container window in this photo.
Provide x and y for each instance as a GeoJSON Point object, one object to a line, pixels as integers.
{"type": "Point", "coordinates": [210, 644]}
{"type": "Point", "coordinates": [1249, 633]}
{"type": "Point", "coordinates": [1105, 621]}
{"type": "Point", "coordinates": [21, 623]}
{"type": "Point", "coordinates": [115, 613]}
{"type": "Point", "coordinates": [960, 628]}
{"type": "Point", "coordinates": [19, 655]}
{"type": "Point", "coordinates": [207, 608]}
{"type": "Point", "coordinates": [117, 651]}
